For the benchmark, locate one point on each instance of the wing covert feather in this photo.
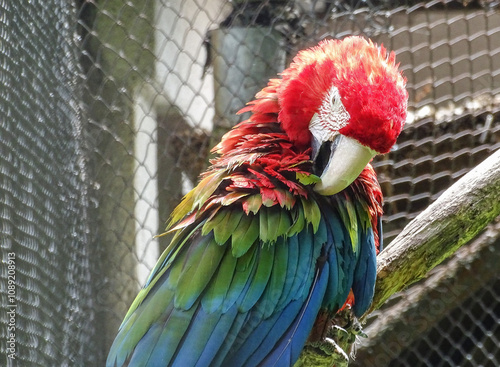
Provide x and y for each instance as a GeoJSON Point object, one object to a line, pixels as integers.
{"type": "Point", "coordinates": [233, 303]}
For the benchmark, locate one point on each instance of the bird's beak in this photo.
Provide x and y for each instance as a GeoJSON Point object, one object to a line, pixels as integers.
{"type": "Point", "coordinates": [339, 162]}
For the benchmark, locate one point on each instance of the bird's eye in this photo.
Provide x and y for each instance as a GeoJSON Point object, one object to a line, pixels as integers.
{"type": "Point", "coordinates": [334, 96]}
{"type": "Point", "coordinates": [334, 99]}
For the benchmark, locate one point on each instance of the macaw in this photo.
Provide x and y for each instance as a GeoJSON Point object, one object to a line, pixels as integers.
{"type": "Point", "coordinates": [283, 229]}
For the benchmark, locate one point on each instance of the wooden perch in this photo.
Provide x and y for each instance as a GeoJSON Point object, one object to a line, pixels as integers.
{"type": "Point", "coordinates": [420, 308]}
{"type": "Point", "coordinates": [455, 218]}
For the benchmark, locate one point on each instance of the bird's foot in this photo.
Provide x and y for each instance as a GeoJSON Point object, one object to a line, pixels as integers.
{"type": "Point", "coordinates": [337, 349]}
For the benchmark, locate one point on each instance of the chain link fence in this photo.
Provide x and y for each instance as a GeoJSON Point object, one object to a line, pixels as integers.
{"type": "Point", "coordinates": [108, 111]}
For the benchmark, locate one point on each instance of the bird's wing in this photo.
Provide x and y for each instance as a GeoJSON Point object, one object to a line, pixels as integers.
{"type": "Point", "coordinates": [230, 290]}
{"type": "Point", "coordinates": [244, 290]}
{"type": "Point", "coordinates": [355, 244]}
{"type": "Point", "coordinates": [251, 261]}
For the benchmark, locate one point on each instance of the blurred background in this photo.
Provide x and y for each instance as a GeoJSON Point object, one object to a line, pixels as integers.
{"type": "Point", "coordinates": [108, 111]}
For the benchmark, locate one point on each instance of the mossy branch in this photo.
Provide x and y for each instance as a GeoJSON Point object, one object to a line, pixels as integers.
{"type": "Point", "coordinates": [455, 218]}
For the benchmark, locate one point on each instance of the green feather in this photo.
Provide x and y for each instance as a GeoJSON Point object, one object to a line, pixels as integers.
{"type": "Point", "coordinates": [254, 203]}
{"type": "Point", "coordinates": [218, 288]}
{"type": "Point", "coordinates": [198, 270]}
{"type": "Point", "coordinates": [176, 270]}
{"type": "Point", "coordinates": [270, 219]}
{"type": "Point", "coordinates": [263, 224]}
{"type": "Point", "coordinates": [244, 235]}
{"type": "Point", "coordinates": [214, 222]}
{"type": "Point", "coordinates": [226, 226]}
{"type": "Point", "coordinates": [273, 222]}
{"type": "Point", "coordinates": [363, 214]}
{"type": "Point", "coordinates": [259, 279]}
{"type": "Point", "coordinates": [267, 304]}
{"type": "Point", "coordinates": [206, 188]}
{"type": "Point", "coordinates": [349, 218]}
{"type": "Point", "coordinates": [196, 197]}
{"type": "Point", "coordinates": [312, 213]}
{"type": "Point", "coordinates": [173, 251]}
{"type": "Point", "coordinates": [181, 210]}
{"type": "Point", "coordinates": [244, 268]}
{"type": "Point", "coordinates": [353, 229]}
{"type": "Point", "coordinates": [145, 291]}
{"type": "Point", "coordinates": [298, 221]}
{"type": "Point", "coordinates": [307, 179]}
{"type": "Point", "coordinates": [149, 312]}
{"type": "Point", "coordinates": [305, 246]}
{"type": "Point", "coordinates": [284, 223]}
{"type": "Point", "coordinates": [180, 254]}
{"type": "Point", "coordinates": [230, 198]}
{"type": "Point", "coordinates": [292, 245]}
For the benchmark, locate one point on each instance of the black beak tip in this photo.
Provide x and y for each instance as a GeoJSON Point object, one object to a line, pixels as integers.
{"type": "Point", "coordinates": [322, 157]}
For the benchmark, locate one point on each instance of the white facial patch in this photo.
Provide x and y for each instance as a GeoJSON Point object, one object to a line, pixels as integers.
{"type": "Point", "coordinates": [331, 117]}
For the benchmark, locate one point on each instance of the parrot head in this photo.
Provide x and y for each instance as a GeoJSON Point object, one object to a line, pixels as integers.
{"type": "Point", "coordinates": [346, 99]}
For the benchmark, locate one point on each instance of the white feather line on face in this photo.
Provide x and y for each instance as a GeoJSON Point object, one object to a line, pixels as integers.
{"type": "Point", "coordinates": [331, 117]}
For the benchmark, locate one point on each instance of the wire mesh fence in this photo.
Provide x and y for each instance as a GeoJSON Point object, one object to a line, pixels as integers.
{"type": "Point", "coordinates": [109, 110]}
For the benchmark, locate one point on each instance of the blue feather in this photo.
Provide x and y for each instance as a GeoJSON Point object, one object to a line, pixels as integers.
{"type": "Point", "coordinates": [306, 257]}
{"type": "Point", "coordinates": [139, 323]}
{"type": "Point", "coordinates": [229, 340]}
{"type": "Point", "coordinates": [365, 274]}
{"type": "Point", "coordinates": [242, 277]}
{"type": "Point", "coordinates": [143, 350]}
{"type": "Point", "coordinates": [334, 235]}
{"type": "Point", "coordinates": [260, 278]}
{"type": "Point", "coordinates": [217, 291]}
{"type": "Point", "coordinates": [173, 330]}
{"type": "Point", "coordinates": [257, 309]}
{"type": "Point", "coordinates": [266, 336]}
{"type": "Point", "coordinates": [274, 289]}
{"type": "Point", "coordinates": [291, 343]}
{"type": "Point", "coordinates": [259, 335]}
{"type": "Point", "coordinates": [293, 259]}
{"type": "Point", "coordinates": [341, 258]}
{"type": "Point", "coordinates": [196, 337]}
{"type": "Point", "coordinates": [217, 338]}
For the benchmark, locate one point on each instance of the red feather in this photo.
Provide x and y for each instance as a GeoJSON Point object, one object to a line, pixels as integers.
{"type": "Point", "coordinates": [369, 82]}
{"type": "Point", "coordinates": [262, 154]}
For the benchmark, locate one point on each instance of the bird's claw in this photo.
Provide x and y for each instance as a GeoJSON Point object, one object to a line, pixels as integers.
{"type": "Point", "coordinates": [338, 350]}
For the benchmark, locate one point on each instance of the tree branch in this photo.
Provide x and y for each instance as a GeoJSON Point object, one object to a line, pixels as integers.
{"type": "Point", "coordinates": [455, 218]}
{"type": "Point", "coordinates": [417, 310]}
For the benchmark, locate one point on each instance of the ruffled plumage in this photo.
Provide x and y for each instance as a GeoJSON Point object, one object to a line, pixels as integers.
{"type": "Point", "coordinates": [256, 255]}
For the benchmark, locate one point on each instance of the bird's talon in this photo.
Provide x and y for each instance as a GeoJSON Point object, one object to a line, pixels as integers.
{"type": "Point", "coordinates": [337, 348]}
{"type": "Point", "coordinates": [340, 328]}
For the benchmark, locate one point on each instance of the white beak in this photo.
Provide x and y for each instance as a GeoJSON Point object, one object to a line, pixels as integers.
{"type": "Point", "coordinates": [346, 161]}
